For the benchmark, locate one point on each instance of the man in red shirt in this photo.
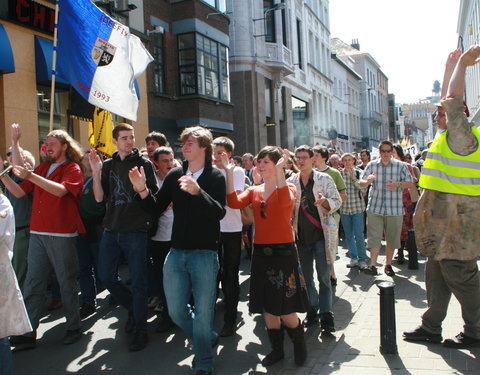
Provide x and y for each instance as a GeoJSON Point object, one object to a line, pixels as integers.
{"type": "Point", "coordinates": [57, 187]}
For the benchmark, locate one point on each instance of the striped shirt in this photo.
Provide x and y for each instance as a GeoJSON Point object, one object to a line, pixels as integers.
{"type": "Point", "coordinates": [355, 204]}
{"type": "Point", "coordinates": [382, 201]}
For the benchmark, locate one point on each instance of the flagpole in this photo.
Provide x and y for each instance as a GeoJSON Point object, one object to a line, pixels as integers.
{"type": "Point", "coordinates": [54, 67]}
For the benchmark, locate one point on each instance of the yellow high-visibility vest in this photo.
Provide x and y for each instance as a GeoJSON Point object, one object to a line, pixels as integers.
{"type": "Point", "coordinates": [448, 172]}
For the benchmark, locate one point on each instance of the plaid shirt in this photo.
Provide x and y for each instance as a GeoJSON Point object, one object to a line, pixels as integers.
{"type": "Point", "coordinates": [382, 201]}
{"type": "Point", "coordinates": [355, 204]}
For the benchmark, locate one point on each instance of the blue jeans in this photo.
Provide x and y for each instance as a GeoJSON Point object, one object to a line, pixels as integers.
{"type": "Point", "coordinates": [187, 273]}
{"type": "Point", "coordinates": [307, 254]}
{"type": "Point", "coordinates": [134, 247]}
{"type": "Point", "coordinates": [5, 357]}
{"type": "Point", "coordinates": [353, 226]}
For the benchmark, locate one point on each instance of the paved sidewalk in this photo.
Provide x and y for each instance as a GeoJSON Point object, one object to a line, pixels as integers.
{"type": "Point", "coordinates": [353, 349]}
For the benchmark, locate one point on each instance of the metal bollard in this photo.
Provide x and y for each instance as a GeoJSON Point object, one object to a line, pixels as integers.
{"type": "Point", "coordinates": [388, 332]}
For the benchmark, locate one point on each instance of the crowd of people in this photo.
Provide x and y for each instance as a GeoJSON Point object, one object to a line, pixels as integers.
{"type": "Point", "coordinates": [180, 227]}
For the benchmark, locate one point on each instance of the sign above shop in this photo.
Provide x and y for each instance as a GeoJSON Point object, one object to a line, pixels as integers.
{"type": "Point", "coordinates": [32, 14]}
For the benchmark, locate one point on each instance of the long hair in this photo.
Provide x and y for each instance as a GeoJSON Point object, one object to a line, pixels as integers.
{"type": "Point", "coordinates": [74, 151]}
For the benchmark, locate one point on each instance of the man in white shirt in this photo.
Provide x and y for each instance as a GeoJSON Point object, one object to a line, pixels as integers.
{"type": "Point", "coordinates": [230, 244]}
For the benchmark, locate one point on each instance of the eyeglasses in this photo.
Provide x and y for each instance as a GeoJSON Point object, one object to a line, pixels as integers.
{"type": "Point", "coordinates": [385, 151]}
{"type": "Point", "coordinates": [9, 153]}
{"type": "Point", "coordinates": [263, 212]}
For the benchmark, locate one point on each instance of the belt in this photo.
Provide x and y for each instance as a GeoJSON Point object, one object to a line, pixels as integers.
{"type": "Point", "coordinates": [18, 229]}
{"type": "Point", "coordinates": [275, 249]}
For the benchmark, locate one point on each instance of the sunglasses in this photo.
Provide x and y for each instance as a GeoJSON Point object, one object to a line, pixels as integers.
{"type": "Point", "coordinates": [386, 151]}
{"type": "Point", "coordinates": [263, 212]}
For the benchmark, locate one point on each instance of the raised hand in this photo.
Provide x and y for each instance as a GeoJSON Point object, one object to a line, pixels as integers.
{"type": "Point", "coordinates": [137, 178]}
{"type": "Point", "coordinates": [471, 56]}
{"type": "Point", "coordinates": [453, 59]}
{"type": "Point", "coordinates": [227, 164]}
{"type": "Point", "coordinates": [16, 132]}
{"type": "Point", "coordinates": [95, 162]}
{"type": "Point", "coordinates": [284, 159]}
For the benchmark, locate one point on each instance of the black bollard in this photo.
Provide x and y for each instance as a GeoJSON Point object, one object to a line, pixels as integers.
{"type": "Point", "coordinates": [388, 332]}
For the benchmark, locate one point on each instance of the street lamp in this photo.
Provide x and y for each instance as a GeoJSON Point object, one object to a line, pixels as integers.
{"type": "Point", "coordinates": [273, 8]}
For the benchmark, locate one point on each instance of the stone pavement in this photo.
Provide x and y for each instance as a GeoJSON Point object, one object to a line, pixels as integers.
{"type": "Point", "coordinates": [353, 349]}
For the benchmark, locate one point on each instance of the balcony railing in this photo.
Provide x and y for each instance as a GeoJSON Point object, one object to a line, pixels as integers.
{"type": "Point", "coordinates": [279, 56]}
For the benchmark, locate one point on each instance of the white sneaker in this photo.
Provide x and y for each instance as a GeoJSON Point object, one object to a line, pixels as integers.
{"type": "Point", "coordinates": [353, 263]}
{"type": "Point", "coordinates": [362, 265]}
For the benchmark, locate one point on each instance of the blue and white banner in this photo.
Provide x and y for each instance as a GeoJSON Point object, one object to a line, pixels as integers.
{"type": "Point", "coordinates": [99, 57]}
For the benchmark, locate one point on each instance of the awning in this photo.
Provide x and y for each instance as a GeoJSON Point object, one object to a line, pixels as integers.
{"type": "Point", "coordinates": [43, 60]}
{"type": "Point", "coordinates": [7, 64]}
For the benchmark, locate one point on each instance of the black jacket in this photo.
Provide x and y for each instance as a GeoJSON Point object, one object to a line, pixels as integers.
{"type": "Point", "coordinates": [196, 223]}
{"type": "Point", "coordinates": [123, 212]}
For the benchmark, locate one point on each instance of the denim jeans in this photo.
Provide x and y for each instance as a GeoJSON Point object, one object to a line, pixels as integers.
{"type": "Point", "coordinates": [230, 247]}
{"type": "Point", "coordinates": [158, 254]}
{"type": "Point", "coordinates": [134, 247]}
{"type": "Point", "coordinates": [187, 273]}
{"type": "Point", "coordinates": [353, 226]}
{"type": "Point", "coordinates": [5, 357]}
{"type": "Point", "coordinates": [308, 254]}
{"type": "Point", "coordinates": [87, 262]}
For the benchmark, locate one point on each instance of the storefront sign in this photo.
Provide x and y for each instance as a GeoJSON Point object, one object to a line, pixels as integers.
{"type": "Point", "coordinates": [33, 14]}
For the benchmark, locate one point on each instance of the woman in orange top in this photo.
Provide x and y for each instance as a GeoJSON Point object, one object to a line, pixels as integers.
{"type": "Point", "coordinates": [277, 285]}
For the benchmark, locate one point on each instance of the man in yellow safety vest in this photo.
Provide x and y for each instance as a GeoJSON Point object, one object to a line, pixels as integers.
{"type": "Point", "coordinates": [446, 219]}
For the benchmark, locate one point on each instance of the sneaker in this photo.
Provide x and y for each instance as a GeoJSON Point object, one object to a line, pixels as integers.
{"type": "Point", "coordinates": [327, 322]}
{"type": "Point", "coordinates": [389, 270]}
{"type": "Point", "coordinates": [419, 334]}
{"type": "Point", "coordinates": [372, 270]}
{"type": "Point", "coordinates": [227, 331]}
{"type": "Point", "coordinates": [353, 263]}
{"type": "Point", "coordinates": [461, 341]}
{"type": "Point", "coordinates": [86, 310]}
{"type": "Point", "coordinates": [130, 324]}
{"type": "Point", "coordinates": [311, 319]}
{"type": "Point", "coordinates": [72, 337]}
{"type": "Point", "coordinates": [139, 341]}
{"type": "Point", "coordinates": [23, 342]}
{"type": "Point", "coordinates": [362, 265]}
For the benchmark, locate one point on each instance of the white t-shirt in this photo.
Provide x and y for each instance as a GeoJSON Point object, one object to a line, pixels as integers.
{"type": "Point", "coordinates": [232, 221]}
{"type": "Point", "coordinates": [165, 221]}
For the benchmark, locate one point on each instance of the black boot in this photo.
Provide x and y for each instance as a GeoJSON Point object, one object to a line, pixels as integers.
{"type": "Point", "coordinates": [326, 322]}
{"type": "Point", "coordinates": [276, 340]}
{"type": "Point", "coordinates": [400, 258]}
{"type": "Point", "coordinates": [299, 345]}
{"type": "Point", "coordinates": [412, 251]}
{"type": "Point", "coordinates": [164, 322]}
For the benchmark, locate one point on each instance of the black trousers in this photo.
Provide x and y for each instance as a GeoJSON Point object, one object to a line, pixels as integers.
{"type": "Point", "coordinates": [229, 251]}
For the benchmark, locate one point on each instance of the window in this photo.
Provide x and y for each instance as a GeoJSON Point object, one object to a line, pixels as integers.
{"type": "Point", "coordinates": [60, 120]}
{"type": "Point", "coordinates": [219, 4]}
{"type": "Point", "coordinates": [269, 21]}
{"type": "Point", "coordinates": [268, 99]}
{"type": "Point", "coordinates": [284, 28]}
{"type": "Point", "coordinates": [159, 60]}
{"type": "Point", "coordinates": [203, 66]}
{"type": "Point", "coordinates": [299, 43]}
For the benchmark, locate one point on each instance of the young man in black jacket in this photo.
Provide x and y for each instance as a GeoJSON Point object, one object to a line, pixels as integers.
{"type": "Point", "coordinates": [126, 224]}
{"type": "Point", "coordinates": [198, 192]}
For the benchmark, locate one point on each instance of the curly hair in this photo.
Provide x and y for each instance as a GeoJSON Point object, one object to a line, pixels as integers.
{"type": "Point", "coordinates": [74, 151]}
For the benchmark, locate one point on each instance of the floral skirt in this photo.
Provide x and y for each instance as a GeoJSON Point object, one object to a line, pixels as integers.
{"type": "Point", "coordinates": [277, 284]}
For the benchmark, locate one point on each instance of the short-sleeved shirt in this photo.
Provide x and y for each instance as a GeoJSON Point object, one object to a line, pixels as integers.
{"type": "Point", "coordinates": [337, 178]}
{"type": "Point", "coordinates": [382, 201]}
{"type": "Point", "coordinates": [355, 204]}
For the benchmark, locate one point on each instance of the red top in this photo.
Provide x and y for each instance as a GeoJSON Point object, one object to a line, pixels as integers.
{"type": "Point", "coordinates": [276, 227]}
{"type": "Point", "coordinates": [52, 214]}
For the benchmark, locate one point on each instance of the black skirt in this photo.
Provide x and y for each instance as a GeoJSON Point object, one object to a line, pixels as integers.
{"type": "Point", "coordinates": [277, 284]}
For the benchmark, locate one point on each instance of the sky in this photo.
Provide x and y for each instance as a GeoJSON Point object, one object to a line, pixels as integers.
{"type": "Point", "coordinates": [409, 39]}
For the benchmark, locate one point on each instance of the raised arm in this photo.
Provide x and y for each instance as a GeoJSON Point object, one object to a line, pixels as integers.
{"type": "Point", "coordinates": [96, 165]}
{"type": "Point", "coordinates": [457, 83]}
{"type": "Point", "coordinates": [16, 155]}
{"type": "Point", "coordinates": [449, 68]}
